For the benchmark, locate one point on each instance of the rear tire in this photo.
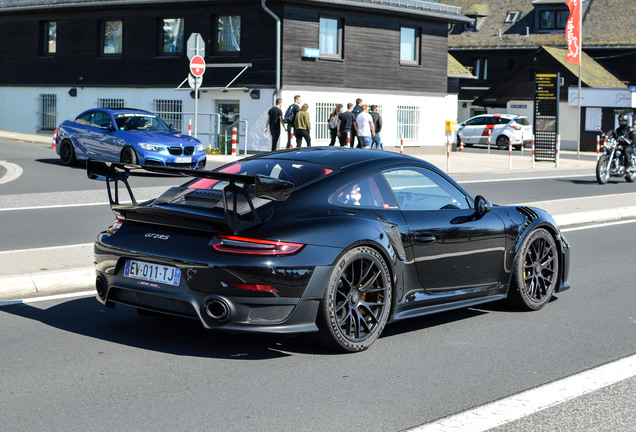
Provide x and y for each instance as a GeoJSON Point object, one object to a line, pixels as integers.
{"type": "Point", "coordinates": [536, 271]}
{"type": "Point", "coordinates": [502, 142]}
{"type": "Point", "coordinates": [357, 301]}
{"type": "Point", "coordinates": [67, 153]}
{"type": "Point", "coordinates": [602, 171]}
{"type": "Point", "coordinates": [128, 156]}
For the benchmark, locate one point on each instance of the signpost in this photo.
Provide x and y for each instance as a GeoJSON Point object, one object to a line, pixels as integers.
{"type": "Point", "coordinates": [546, 116]}
{"type": "Point", "coordinates": [196, 54]}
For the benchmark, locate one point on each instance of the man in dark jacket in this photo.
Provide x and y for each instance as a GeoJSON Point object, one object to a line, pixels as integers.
{"type": "Point", "coordinates": [377, 124]}
{"type": "Point", "coordinates": [345, 125]}
{"type": "Point", "coordinates": [624, 130]}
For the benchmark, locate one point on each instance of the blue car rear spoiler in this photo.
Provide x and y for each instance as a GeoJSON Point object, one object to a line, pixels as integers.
{"type": "Point", "coordinates": [264, 187]}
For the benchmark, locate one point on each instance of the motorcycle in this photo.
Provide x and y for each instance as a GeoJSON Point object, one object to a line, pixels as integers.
{"type": "Point", "coordinates": [610, 164]}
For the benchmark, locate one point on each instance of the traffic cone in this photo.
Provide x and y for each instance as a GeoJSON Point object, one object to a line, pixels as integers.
{"type": "Point", "coordinates": [54, 138]}
{"type": "Point", "coordinates": [461, 145]}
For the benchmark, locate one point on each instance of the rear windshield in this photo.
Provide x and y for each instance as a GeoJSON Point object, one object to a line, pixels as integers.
{"type": "Point", "coordinates": [523, 121]}
{"type": "Point", "coordinates": [298, 173]}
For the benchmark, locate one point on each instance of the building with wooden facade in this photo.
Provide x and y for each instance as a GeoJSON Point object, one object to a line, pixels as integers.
{"type": "Point", "coordinates": [64, 56]}
{"type": "Point", "coordinates": [508, 41]}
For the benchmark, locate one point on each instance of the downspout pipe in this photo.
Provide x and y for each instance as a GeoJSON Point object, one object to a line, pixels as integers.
{"type": "Point", "coordinates": [278, 34]}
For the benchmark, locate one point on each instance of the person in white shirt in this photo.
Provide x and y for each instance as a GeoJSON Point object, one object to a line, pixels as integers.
{"type": "Point", "coordinates": [364, 128]}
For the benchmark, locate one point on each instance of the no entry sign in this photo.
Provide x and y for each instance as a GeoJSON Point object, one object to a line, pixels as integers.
{"type": "Point", "coordinates": [197, 66]}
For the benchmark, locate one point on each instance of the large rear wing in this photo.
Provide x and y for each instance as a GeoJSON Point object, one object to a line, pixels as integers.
{"type": "Point", "coordinates": [238, 187]}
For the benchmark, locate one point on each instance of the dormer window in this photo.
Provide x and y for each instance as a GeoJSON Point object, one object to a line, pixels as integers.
{"type": "Point", "coordinates": [512, 17]}
{"type": "Point", "coordinates": [553, 19]}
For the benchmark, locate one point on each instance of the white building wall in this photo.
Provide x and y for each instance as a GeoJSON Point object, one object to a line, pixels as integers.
{"type": "Point", "coordinates": [19, 110]}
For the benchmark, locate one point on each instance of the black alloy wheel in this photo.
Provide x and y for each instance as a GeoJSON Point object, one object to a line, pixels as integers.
{"type": "Point", "coordinates": [502, 142]}
{"type": "Point", "coordinates": [357, 301]}
{"type": "Point", "coordinates": [128, 156]}
{"type": "Point", "coordinates": [67, 153]}
{"type": "Point", "coordinates": [536, 271]}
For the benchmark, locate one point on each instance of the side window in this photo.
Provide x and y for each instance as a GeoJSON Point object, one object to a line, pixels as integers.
{"type": "Point", "coordinates": [85, 119]}
{"type": "Point", "coordinates": [475, 121]}
{"type": "Point", "coordinates": [101, 119]}
{"type": "Point", "coordinates": [368, 192]}
{"type": "Point", "coordinates": [420, 189]}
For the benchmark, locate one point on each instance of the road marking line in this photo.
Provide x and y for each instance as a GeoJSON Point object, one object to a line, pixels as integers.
{"type": "Point", "coordinates": [45, 248]}
{"type": "Point", "coordinates": [526, 403]}
{"type": "Point", "coordinates": [49, 298]}
{"type": "Point", "coordinates": [523, 178]}
{"type": "Point", "coordinates": [52, 206]}
{"type": "Point", "coordinates": [599, 225]}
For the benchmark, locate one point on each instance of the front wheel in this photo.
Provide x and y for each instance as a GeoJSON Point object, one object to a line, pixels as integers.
{"type": "Point", "coordinates": [535, 272]}
{"type": "Point", "coordinates": [603, 169]}
{"type": "Point", "coordinates": [357, 301]}
{"type": "Point", "coordinates": [128, 156]}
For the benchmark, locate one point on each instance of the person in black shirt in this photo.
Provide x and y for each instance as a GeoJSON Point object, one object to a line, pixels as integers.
{"type": "Point", "coordinates": [345, 125]}
{"type": "Point", "coordinates": [275, 122]}
{"type": "Point", "coordinates": [626, 131]}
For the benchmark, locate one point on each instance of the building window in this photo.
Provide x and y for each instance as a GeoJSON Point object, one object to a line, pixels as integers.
{"type": "Point", "coordinates": [114, 103]}
{"type": "Point", "coordinates": [228, 34]}
{"type": "Point", "coordinates": [48, 38]}
{"type": "Point", "coordinates": [170, 111]}
{"type": "Point", "coordinates": [47, 117]}
{"type": "Point", "coordinates": [512, 17]}
{"type": "Point", "coordinates": [321, 127]}
{"type": "Point", "coordinates": [552, 19]}
{"type": "Point", "coordinates": [172, 36]}
{"type": "Point", "coordinates": [408, 123]}
{"type": "Point", "coordinates": [330, 38]}
{"type": "Point", "coordinates": [409, 46]}
{"type": "Point", "coordinates": [480, 69]}
{"type": "Point", "coordinates": [112, 34]}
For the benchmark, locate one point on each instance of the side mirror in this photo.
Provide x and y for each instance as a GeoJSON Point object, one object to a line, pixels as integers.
{"type": "Point", "coordinates": [172, 128]}
{"type": "Point", "coordinates": [482, 205]}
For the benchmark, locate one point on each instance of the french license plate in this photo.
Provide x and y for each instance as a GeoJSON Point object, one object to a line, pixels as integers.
{"type": "Point", "coordinates": [183, 159]}
{"type": "Point", "coordinates": [152, 272]}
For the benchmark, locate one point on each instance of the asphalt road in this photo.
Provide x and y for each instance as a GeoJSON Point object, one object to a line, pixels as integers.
{"type": "Point", "coordinates": [73, 365]}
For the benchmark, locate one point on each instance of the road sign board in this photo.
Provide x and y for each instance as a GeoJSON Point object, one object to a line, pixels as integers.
{"type": "Point", "coordinates": [197, 66]}
{"type": "Point", "coordinates": [195, 82]}
{"type": "Point", "coordinates": [195, 46]}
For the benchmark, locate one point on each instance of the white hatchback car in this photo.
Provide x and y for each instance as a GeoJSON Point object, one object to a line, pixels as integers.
{"type": "Point", "coordinates": [503, 128]}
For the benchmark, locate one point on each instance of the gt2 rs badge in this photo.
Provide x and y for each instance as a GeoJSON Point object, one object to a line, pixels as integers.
{"type": "Point", "coordinates": [157, 236]}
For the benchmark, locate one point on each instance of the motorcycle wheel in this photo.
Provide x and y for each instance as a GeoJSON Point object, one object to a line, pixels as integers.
{"type": "Point", "coordinates": [602, 169]}
{"type": "Point", "coordinates": [630, 178]}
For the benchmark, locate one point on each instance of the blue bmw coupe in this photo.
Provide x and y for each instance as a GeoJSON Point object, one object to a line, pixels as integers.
{"type": "Point", "coordinates": [127, 135]}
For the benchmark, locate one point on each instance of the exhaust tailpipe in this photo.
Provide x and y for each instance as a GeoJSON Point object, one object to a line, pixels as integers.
{"type": "Point", "coordinates": [217, 309]}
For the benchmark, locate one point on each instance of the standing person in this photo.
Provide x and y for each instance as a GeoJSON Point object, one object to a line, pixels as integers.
{"type": "Point", "coordinates": [377, 124]}
{"type": "Point", "coordinates": [364, 128]}
{"type": "Point", "coordinates": [290, 116]}
{"type": "Point", "coordinates": [275, 122]}
{"type": "Point", "coordinates": [302, 126]}
{"type": "Point", "coordinates": [334, 119]}
{"type": "Point", "coordinates": [345, 125]}
{"type": "Point", "coordinates": [357, 109]}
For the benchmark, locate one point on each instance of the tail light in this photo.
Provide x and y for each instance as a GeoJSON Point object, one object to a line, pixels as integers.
{"type": "Point", "coordinates": [252, 287]}
{"type": "Point", "coordinates": [115, 226]}
{"type": "Point", "coordinates": [515, 127]}
{"type": "Point", "coordinates": [251, 246]}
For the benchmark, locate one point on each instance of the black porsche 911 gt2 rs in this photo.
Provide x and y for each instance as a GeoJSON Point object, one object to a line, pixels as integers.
{"type": "Point", "coordinates": [328, 240]}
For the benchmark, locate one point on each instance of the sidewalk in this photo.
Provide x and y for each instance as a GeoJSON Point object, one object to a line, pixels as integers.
{"type": "Point", "coordinates": [46, 270]}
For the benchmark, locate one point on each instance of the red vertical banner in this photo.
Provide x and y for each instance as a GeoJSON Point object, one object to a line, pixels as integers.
{"type": "Point", "coordinates": [573, 32]}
